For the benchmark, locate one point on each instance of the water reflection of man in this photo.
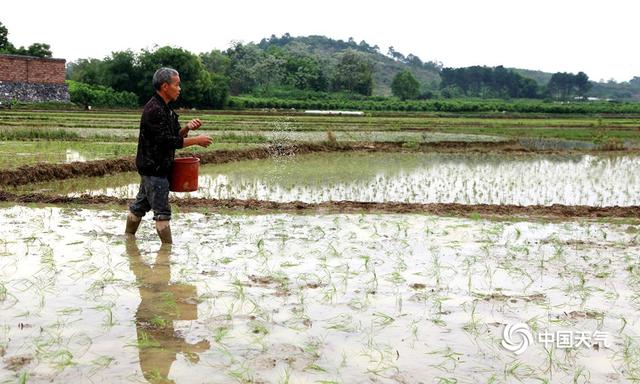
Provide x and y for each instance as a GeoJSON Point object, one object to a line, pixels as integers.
{"type": "Point", "coordinates": [162, 303]}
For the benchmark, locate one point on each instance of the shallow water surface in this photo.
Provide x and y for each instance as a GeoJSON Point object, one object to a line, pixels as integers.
{"type": "Point", "coordinates": [476, 178]}
{"type": "Point", "coordinates": [17, 153]}
{"type": "Point", "coordinates": [332, 298]}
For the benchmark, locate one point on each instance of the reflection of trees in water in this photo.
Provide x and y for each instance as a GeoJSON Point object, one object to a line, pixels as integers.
{"type": "Point", "coordinates": [161, 304]}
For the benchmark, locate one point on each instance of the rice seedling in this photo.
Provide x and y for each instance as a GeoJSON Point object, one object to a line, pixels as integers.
{"type": "Point", "coordinates": [474, 326]}
{"type": "Point", "coordinates": [518, 370]}
{"type": "Point", "coordinates": [38, 134]}
{"type": "Point", "coordinates": [450, 359]}
{"type": "Point", "coordinates": [23, 378]}
{"type": "Point", "coordinates": [145, 340]}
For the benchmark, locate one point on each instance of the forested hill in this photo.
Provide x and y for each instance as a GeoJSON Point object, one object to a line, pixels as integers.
{"type": "Point", "coordinates": [626, 90]}
{"type": "Point", "coordinates": [314, 67]}
{"type": "Point", "coordinates": [386, 61]}
{"type": "Point", "coordinates": [542, 78]}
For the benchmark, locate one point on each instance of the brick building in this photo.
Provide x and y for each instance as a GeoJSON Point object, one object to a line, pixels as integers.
{"type": "Point", "coordinates": [32, 79]}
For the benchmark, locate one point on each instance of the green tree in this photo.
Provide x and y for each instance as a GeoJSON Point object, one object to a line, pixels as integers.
{"type": "Point", "coordinates": [397, 56]}
{"type": "Point", "coordinates": [121, 72]}
{"type": "Point", "coordinates": [128, 73]}
{"type": "Point", "coordinates": [487, 82]}
{"type": "Point", "coordinates": [38, 50]}
{"type": "Point", "coordinates": [563, 85]}
{"type": "Point", "coordinates": [216, 61]}
{"type": "Point", "coordinates": [88, 71]}
{"type": "Point", "coordinates": [195, 81]}
{"type": "Point", "coordinates": [218, 92]}
{"type": "Point", "coordinates": [5, 45]}
{"type": "Point", "coordinates": [582, 84]}
{"type": "Point", "coordinates": [303, 71]}
{"type": "Point", "coordinates": [405, 85]}
{"type": "Point", "coordinates": [269, 73]}
{"type": "Point", "coordinates": [354, 73]}
{"type": "Point", "coordinates": [242, 69]}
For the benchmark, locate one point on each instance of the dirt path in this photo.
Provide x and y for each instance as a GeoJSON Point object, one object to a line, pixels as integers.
{"type": "Point", "coordinates": [556, 211]}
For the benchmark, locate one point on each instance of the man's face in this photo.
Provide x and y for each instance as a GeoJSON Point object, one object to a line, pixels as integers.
{"type": "Point", "coordinates": [172, 89]}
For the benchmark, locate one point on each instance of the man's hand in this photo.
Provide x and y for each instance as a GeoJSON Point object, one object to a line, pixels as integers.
{"type": "Point", "coordinates": [194, 124]}
{"type": "Point", "coordinates": [204, 141]}
{"type": "Point", "coordinates": [190, 126]}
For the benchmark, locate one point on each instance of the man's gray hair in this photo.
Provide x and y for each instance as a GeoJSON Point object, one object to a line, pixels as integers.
{"type": "Point", "coordinates": [163, 75]}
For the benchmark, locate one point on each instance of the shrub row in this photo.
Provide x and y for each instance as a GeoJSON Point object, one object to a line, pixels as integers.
{"type": "Point", "coordinates": [536, 106]}
{"type": "Point", "coordinates": [99, 96]}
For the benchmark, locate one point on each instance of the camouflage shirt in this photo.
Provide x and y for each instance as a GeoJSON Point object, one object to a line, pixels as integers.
{"type": "Point", "coordinates": [158, 139]}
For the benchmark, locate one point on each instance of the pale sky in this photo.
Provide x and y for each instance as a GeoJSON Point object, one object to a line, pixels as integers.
{"type": "Point", "coordinates": [597, 37]}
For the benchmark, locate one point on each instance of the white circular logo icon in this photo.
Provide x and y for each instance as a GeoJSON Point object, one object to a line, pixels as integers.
{"type": "Point", "coordinates": [516, 338]}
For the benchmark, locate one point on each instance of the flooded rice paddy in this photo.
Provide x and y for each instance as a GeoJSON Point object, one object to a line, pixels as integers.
{"type": "Point", "coordinates": [17, 153]}
{"type": "Point", "coordinates": [306, 298]}
{"type": "Point", "coordinates": [287, 133]}
{"type": "Point", "coordinates": [14, 154]}
{"type": "Point", "coordinates": [328, 295]}
{"type": "Point", "coordinates": [488, 178]}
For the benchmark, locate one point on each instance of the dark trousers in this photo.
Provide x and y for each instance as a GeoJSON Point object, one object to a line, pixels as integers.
{"type": "Point", "coordinates": [153, 194]}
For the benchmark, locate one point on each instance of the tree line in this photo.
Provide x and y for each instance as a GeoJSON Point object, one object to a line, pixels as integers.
{"type": "Point", "coordinates": [209, 78]}
{"type": "Point", "coordinates": [310, 67]}
{"type": "Point", "coordinates": [274, 69]}
{"type": "Point", "coordinates": [499, 82]}
{"type": "Point", "coordinates": [492, 106]}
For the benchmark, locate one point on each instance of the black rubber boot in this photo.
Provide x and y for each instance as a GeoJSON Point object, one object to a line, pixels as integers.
{"type": "Point", "coordinates": [132, 224]}
{"type": "Point", "coordinates": [165, 235]}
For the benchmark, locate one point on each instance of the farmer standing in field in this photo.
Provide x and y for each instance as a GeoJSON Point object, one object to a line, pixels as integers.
{"type": "Point", "coordinates": [160, 136]}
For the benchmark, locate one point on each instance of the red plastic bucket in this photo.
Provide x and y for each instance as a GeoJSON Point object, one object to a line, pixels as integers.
{"type": "Point", "coordinates": [184, 174]}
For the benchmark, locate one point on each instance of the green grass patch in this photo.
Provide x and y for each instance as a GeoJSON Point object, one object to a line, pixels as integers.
{"type": "Point", "coordinates": [37, 134]}
{"type": "Point", "coordinates": [16, 153]}
{"type": "Point", "coordinates": [243, 127]}
{"type": "Point", "coordinates": [235, 138]}
{"type": "Point", "coordinates": [586, 134]}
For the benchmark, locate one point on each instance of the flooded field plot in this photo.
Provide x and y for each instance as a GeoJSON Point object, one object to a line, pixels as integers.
{"type": "Point", "coordinates": [492, 178]}
{"type": "Point", "coordinates": [331, 299]}
{"type": "Point", "coordinates": [279, 134]}
{"type": "Point", "coordinates": [379, 136]}
{"type": "Point", "coordinates": [14, 154]}
{"type": "Point", "coordinates": [17, 153]}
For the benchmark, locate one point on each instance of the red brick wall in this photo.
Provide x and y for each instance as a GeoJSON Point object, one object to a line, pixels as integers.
{"type": "Point", "coordinates": [26, 69]}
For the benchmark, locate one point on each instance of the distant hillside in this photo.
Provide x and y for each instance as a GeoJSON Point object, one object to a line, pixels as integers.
{"type": "Point", "coordinates": [542, 78]}
{"type": "Point", "coordinates": [626, 90]}
{"type": "Point", "coordinates": [305, 67]}
{"type": "Point", "coordinates": [385, 67]}
{"type": "Point", "coordinates": [388, 62]}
